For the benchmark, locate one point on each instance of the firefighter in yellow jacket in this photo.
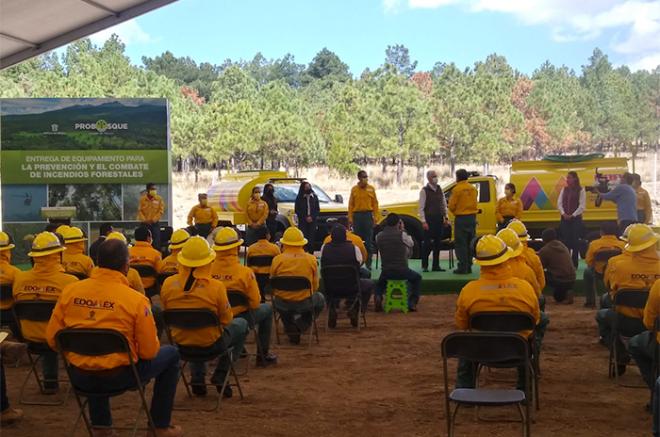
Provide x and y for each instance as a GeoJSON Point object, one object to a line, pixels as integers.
{"type": "Point", "coordinates": [150, 210]}
{"type": "Point", "coordinates": [105, 301]}
{"type": "Point", "coordinates": [263, 247]}
{"type": "Point", "coordinates": [295, 307]}
{"type": "Point", "coordinates": [643, 347]}
{"type": "Point", "coordinates": [532, 259]}
{"type": "Point", "coordinates": [496, 290]}
{"type": "Point", "coordinates": [45, 281]}
{"type": "Point", "coordinates": [7, 274]}
{"type": "Point", "coordinates": [194, 287]}
{"type": "Point", "coordinates": [74, 260]}
{"type": "Point", "coordinates": [237, 278]}
{"type": "Point", "coordinates": [517, 262]}
{"type": "Point", "coordinates": [143, 254]}
{"type": "Point", "coordinates": [170, 264]}
{"type": "Point", "coordinates": [363, 212]}
{"type": "Point", "coordinates": [202, 216]}
{"type": "Point", "coordinates": [508, 207]}
{"type": "Point", "coordinates": [608, 241]}
{"type": "Point", "coordinates": [257, 214]}
{"type": "Point", "coordinates": [639, 270]}
{"type": "Point", "coordinates": [463, 204]}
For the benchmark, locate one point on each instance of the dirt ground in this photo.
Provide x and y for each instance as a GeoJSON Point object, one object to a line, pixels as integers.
{"type": "Point", "coordinates": [387, 381]}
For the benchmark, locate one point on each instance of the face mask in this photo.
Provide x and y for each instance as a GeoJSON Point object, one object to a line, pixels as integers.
{"type": "Point", "coordinates": [434, 181]}
{"type": "Point", "coordinates": [203, 202]}
{"type": "Point", "coordinates": [256, 196]}
{"type": "Point", "coordinates": [152, 193]}
{"type": "Point", "coordinates": [508, 192]}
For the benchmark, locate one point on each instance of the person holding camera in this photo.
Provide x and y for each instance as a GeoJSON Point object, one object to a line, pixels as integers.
{"type": "Point", "coordinates": [625, 197]}
{"type": "Point", "coordinates": [571, 203]}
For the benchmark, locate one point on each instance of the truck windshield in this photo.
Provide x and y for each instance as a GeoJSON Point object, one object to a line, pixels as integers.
{"type": "Point", "coordinates": [287, 193]}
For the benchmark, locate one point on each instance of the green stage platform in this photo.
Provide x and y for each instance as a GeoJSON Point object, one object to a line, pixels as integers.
{"type": "Point", "coordinates": [447, 282]}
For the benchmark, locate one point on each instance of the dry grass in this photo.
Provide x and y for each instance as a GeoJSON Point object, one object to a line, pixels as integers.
{"type": "Point", "coordinates": [185, 189]}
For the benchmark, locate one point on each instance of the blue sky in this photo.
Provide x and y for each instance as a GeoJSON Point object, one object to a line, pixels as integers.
{"type": "Point", "coordinates": [527, 32]}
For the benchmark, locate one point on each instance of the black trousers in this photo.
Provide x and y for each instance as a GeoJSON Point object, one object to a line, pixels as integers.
{"type": "Point", "coordinates": [432, 241]}
{"type": "Point", "coordinates": [571, 233]}
{"type": "Point", "coordinates": [309, 231]}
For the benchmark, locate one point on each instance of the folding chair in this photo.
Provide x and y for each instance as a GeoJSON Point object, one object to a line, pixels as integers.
{"type": "Point", "coordinates": [238, 298]}
{"type": "Point", "coordinates": [627, 297]}
{"type": "Point", "coordinates": [190, 320]}
{"type": "Point", "coordinates": [487, 348]}
{"type": "Point", "coordinates": [262, 278]}
{"type": "Point", "coordinates": [94, 343]}
{"type": "Point", "coordinates": [342, 281]}
{"type": "Point", "coordinates": [502, 321]}
{"type": "Point", "coordinates": [286, 285]}
{"type": "Point", "coordinates": [35, 311]}
{"type": "Point", "coordinates": [147, 271]}
{"type": "Point", "coordinates": [448, 245]}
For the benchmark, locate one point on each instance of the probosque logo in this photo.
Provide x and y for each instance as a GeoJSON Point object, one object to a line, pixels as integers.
{"type": "Point", "coordinates": [101, 126]}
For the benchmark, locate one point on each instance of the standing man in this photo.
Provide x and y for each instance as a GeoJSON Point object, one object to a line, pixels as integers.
{"type": "Point", "coordinates": [150, 211]}
{"type": "Point", "coordinates": [363, 212]}
{"type": "Point", "coordinates": [204, 217]}
{"type": "Point", "coordinates": [625, 197]}
{"type": "Point", "coordinates": [644, 208]}
{"type": "Point", "coordinates": [463, 204]}
{"type": "Point", "coordinates": [433, 213]}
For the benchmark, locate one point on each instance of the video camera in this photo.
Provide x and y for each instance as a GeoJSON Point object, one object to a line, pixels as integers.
{"type": "Point", "coordinates": [600, 187]}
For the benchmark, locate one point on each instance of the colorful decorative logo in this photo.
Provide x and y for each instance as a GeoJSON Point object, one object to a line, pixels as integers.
{"type": "Point", "coordinates": [534, 194]}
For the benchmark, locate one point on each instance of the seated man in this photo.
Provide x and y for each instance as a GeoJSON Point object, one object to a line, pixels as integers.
{"type": "Point", "coordinates": [608, 241]}
{"type": "Point", "coordinates": [74, 260]}
{"type": "Point", "coordinates": [228, 269]}
{"type": "Point", "coordinates": [170, 263]}
{"type": "Point", "coordinates": [294, 307]}
{"type": "Point", "coordinates": [263, 247]}
{"type": "Point", "coordinates": [395, 247]}
{"type": "Point", "coordinates": [134, 280]}
{"type": "Point", "coordinates": [129, 314]}
{"type": "Point", "coordinates": [558, 265]}
{"type": "Point", "coordinates": [532, 259]}
{"type": "Point", "coordinates": [638, 270]}
{"type": "Point", "coordinates": [45, 281]}
{"type": "Point", "coordinates": [143, 254]}
{"type": "Point", "coordinates": [496, 290]}
{"type": "Point", "coordinates": [642, 347]}
{"type": "Point", "coordinates": [356, 240]}
{"type": "Point", "coordinates": [193, 287]}
{"type": "Point", "coordinates": [104, 230]}
{"type": "Point", "coordinates": [7, 274]}
{"type": "Point", "coordinates": [341, 251]}
{"type": "Point", "coordinates": [204, 217]}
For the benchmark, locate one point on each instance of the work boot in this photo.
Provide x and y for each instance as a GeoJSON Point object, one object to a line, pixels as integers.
{"type": "Point", "coordinates": [199, 389]}
{"type": "Point", "coordinates": [354, 315]}
{"type": "Point", "coordinates": [170, 431]}
{"type": "Point", "coordinates": [438, 269]}
{"type": "Point", "coordinates": [269, 359]}
{"type": "Point", "coordinates": [378, 304]}
{"type": "Point", "coordinates": [332, 316]}
{"type": "Point", "coordinates": [11, 415]}
{"type": "Point", "coordinates": [50, 388]}
{"type": "Point", "coordinates": [570, 298]}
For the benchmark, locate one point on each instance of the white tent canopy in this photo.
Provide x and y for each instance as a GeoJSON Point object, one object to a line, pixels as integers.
{"type": "Point", "coordinates": [31, 27]}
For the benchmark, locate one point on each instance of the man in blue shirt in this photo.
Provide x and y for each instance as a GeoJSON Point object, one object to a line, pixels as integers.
{"type": "Point", "coordinates": [626, 201]}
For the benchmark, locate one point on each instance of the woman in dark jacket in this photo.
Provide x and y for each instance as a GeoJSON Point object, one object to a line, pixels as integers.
{"type": "Point", "coordinates": [271, 221]}
{"type": "Point", "coordinates": [307, 210]}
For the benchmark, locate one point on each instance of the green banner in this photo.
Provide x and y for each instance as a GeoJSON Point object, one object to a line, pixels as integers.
{"type": "Point", "coordinates": [83, 166]}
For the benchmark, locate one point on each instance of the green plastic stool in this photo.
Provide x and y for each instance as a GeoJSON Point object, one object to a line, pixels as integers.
{"type": "Point", "coordinates": [396, 295]}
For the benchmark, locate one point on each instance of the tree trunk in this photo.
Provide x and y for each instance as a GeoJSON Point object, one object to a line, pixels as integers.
{"type": "Point", "coordinates": [452, 157]}
{"type": "Point", "coordinates": [383, 166]}
{"type": "Point", "coordinates": [399, 170]}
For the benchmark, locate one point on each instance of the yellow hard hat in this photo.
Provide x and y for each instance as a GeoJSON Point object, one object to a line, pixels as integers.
{"type": "Point", "coordinates": [519, 228]}
{"type": "Point", "coordinates": [226, 238]}
{"type": "Point", "coordinates": [196, 252]}
{"type": "Point", "coordinates": [491, 250]}
{"type": "Point", "coordinates": [640, 237]}
{"type": "Point", "coordinates": [5, 242]}
{"type": "Point", "coordinates": [179, 237]}
{"type": "Point", "coordinates": [73, 235]}
{"type": "Point", "coordinates": [512, 240]}
{"type": "Point", "coordinates": [117, 236]}
{"type": "Point", "coordinates": [62, 229]}
{"type": "Point", "coordinates": [293, 237]}
{"type": "Point", "coordinates": [45, 243]}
